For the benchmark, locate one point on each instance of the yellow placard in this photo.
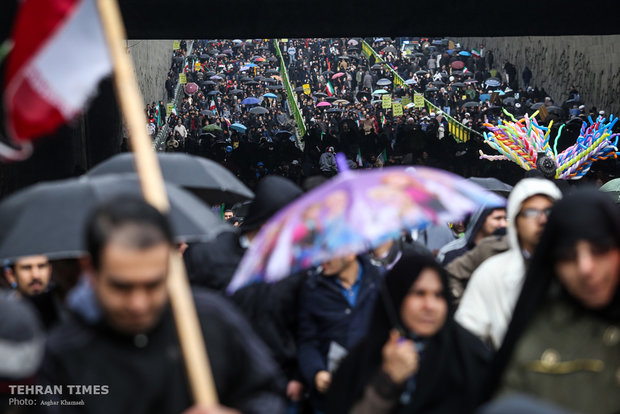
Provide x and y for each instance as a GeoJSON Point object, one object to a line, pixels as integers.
{"type": "Point", "coordinates": [176, 45]}
{"type": "Point", "coordinates": [405, 101]}
{"type": "Point", "coordinates": [182, 78]}
{"type": "Point", "coordinates": [306, 89]}
{"type": "Point", "coordinates": [418, 100]}
{"type": "Point", "coordinates": [197, 66]}
{"type": "Point", "coordinates": [169, 109]}
{"type": "Point", "coordinates": [386, 101]}
{"type": "Point", "coordinates": [397, 109]}
{"type": "Point", "coordinates": [450, 44]}
{"type": "Point", "coordinates": [284, 40]}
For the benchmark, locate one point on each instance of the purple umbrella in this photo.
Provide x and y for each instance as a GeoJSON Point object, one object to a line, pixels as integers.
{"type": "Point", "coordinates": [191, 88]}
{"type": "Point", "coordinates": [354, 212]}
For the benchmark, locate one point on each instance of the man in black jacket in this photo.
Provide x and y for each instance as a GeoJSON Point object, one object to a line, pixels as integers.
{"type": "Point", "coordinates": [127, 358]}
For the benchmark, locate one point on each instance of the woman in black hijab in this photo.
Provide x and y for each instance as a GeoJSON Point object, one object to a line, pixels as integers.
{"type": "Point", "coordinates": [563, 344]}
{"type": "Point", "coordinates": [415, 359]}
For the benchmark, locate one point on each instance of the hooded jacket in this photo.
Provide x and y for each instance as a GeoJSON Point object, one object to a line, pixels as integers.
{"type": "Point", "coordinates": [488, 302]}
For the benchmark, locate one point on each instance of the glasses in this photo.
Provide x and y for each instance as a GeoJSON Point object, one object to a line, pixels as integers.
{"type": "Point", "coordinates": [533, 213]}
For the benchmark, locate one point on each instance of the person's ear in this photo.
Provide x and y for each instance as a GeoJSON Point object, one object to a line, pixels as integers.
{"type": "Point", "coordinates": [10, 275]}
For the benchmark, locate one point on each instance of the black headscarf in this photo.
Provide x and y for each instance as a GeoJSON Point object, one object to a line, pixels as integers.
{"type": "Point", "coordinates": [451, 360]}
{"type": "Point", "coordinates": [586, 214]}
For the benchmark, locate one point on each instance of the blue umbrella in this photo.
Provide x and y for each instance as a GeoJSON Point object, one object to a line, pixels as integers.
{"type": "Point", "coordinates": [464, 53]}
{"type": "Point", "coordinates": [492, 82]}
{"type": "Point", "coordinates": [238, 127]}
{"type": "Point", "coordinates": [485, 97]}
{"type": "Point", "coordinates": [270, 95]}
{"type": "Point", "coordinates": [450, 52]}
{"type": "Point", "coordinates": [250, 101]}
{"type": "Point", "coordinates": [501, 93]}
{"type": "Point", "coordinates": [251, 65]}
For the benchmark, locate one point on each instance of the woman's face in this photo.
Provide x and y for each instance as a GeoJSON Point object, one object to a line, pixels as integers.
{"type": "Point", "coordinates": [424, 309]}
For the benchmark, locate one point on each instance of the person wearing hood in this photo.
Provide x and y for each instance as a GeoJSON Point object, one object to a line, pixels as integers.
{"type": "Point", "coordinates": [563, 343]}
{"type": "Point", "coordinates": [415, 358]}
{"type": "Point", "coordinates": [483, 223]}
{"type": "Point", "coordinates": [487, 304]}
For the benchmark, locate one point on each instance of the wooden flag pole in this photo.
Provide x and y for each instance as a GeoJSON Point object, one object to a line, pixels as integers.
{"type": "Point", "coordinates": [197, 364]}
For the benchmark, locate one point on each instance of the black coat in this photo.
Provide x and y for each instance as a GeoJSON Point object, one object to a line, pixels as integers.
{"type": "Point", "coordinates": [146, 375]}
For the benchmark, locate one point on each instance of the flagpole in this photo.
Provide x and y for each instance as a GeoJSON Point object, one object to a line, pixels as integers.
{"type": "Point", "coordinates": [197, 364]}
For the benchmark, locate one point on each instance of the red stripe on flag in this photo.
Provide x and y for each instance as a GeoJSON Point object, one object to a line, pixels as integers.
{"type": "Point", "coordinates": [35, 23]}
{"type": "Point", "coordinates": [32, 115]}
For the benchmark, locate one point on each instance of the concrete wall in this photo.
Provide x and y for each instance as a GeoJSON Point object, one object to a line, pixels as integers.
{"type": "Point", "coordinates": [152, 60]}
{"type": "Point", "coordinates": [591, 63]}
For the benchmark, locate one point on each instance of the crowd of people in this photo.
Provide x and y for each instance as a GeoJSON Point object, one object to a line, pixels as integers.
{"type": "Point", "coordinates": [501, 312]}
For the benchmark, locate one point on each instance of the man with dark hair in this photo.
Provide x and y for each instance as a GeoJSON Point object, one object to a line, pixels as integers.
{"type": "Point", "coordinates": [130, 346]}
{"type": "Point", "coordinates": [29, 275]}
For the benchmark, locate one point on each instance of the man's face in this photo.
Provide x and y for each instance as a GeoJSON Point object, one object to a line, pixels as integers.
{"type": "Point", "coordinates": [131, 286]}
{"type": "Point", "coordinates": [336, 266]}
{"type": "Point", "coordinates": [424, 309]}
{"type": "Point", "coordinates": [531, 221]}
{"type": "Point", "coordinates": [32, 275]}
{"type": "Point", "coordinates": [590, 273]}
{"type": "Point", "coordinates": [495, 220]}
{"type": "Point", "coordinates": [228, 215]}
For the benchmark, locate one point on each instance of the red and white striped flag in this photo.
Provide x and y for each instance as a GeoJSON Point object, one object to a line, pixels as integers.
{"type": "Point", "coordinates": [59, 57]}
{"type": "Point", "coordinates": [465, 70]}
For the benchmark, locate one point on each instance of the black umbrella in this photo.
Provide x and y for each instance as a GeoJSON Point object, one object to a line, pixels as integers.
{"type": "Point", "coordinates": [421, 72]}
{"type": "Point", "coordinates": [246, 79]}
{"type": "Point", "coordinates": [431, 89]}
{"type": "Point", "coordinates": [376, 66]}
{"type": "Point", "coordinates": [319, 94]}
{"type": "Point", "coordinates": [492, 184]}
{"type": "Point", "coordinates": [275, 87]}
{"type": "Point", "coordinates": [209, 82]}
{"type": "Point", "coordinates": [270, 80]}
{"type": "Point", "coordinates": [438, 83]}
{"type": "Point", "coordinates": [207, 112]}
{"type": "Point", "coordinates": [334, 110]}
{"type": "Point", "coordinates": [49, 218]}
{"type": "Point", "coordinates": [389, 49]}
{"type": "Point", "coordinates": [214, 93]}
{"type": "Point", "coordinates": [209, 74]}
{"type": "Point", "coordinates": [508, 101]}
{"type": "Point", "coordinates": [459, 84]}
{"type": "Point", "coordinates": [299, 89]}
{"type": "Point", "coordinates": [234, 91]}
{"type": "Point", "coordinates": [259, 110]}
{"type": "Point", "coordinates": [555, 110]}
{"type": "Point", "coordinates": [272, 72]}
{"type": "Point", "coordinates": [207, 179]}
{"type": "Point", "coordinates": [252, 82]}
{"type": "Point", "coordinates": [470, 105]}
{"type": "Point", "coordinates": [536, 105]}
{"type": "Point", "coordinates": [272, 59]}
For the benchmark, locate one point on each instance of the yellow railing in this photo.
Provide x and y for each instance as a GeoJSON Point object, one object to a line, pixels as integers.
{"type": "Point", "coordinates": [459, 131]}
{"type": "Point", "coordinates": [290, 94]}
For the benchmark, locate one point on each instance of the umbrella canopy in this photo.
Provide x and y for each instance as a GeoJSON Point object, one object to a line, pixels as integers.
{"type": "Point", "coordinates": [270, 95]}
{"type": "Point", "coordinates": [492, 184]}
{"type": "Point", "coordinates": [250, 101]}
{"type": "Point", "coordinates": [379, 92]}
{"type": "Point", "coordinates": [275, 87]}
{"type": "Point", "coordinates": [384, 82]}
{"type": "Point", "coordinates": [213, 92]}
{"type": "Point", "coordinates": [492, 82]}
{"type": "Point", "coordinates": [207, 112]}
{"type": "Point", "coordinates": [410, 81]}
{"type": "Point", "coordinates": [471, 105]}
{"type": "Point", "coordinates": [234, 91]}
{"type": "Point", "coordinates": [341, 101]}
{"type": "Point", "coordinates": [457, 64]}
{"type": "Point", "coordinates": [376, 66]}
{"type": "Point", "coordinates": [238, 127]}
{"type": "Point", "coordinates": [337, 75]}
{"type": "Point", "coordinates": [438, 83]}
{"type": "Point", "coordinates": [299, 89]}
{"type": "Point", "coordinates": [207, 179]}
{"type": "Point", "coordinates": [259, 110]}
{"type": "Point", "coordinates": [322, 104]}
{"type": "Point", "coordinates": [319, 94]}
{"type": "Point", "coordinates": [421, 72]}
{"type": "Point", "coordinates": [536, 105]}
{"type": "Point", "coordinates": [509, 101]}
{"type": "Point", "coordinates": [353, 42]}
{"type": "Point", "coordinates": [431, 89]}
{"type": "Point", "coordinates": [459, 84]}
{"type": "Point", "coordinates": [334, 110]}
{"type": "Point", "coordinates": [216, 77]}
{"type": "Point", "coordinates": [471, 81]}
{"type": "Point", "coordinates": [49, 218]}
{"type": "Point", "coordinates": [555, 110]}
{"type": "Point", "coordinates": [389, 49]}
{"type": "Point", "coordinates": [354, 212]}
{"type": "Point", "coordinates": [272, 72]}
{"type": "Point", "coordinates": [191, 88]}
{"type": "Point", "coordinates": [211, 128]}
{"type": "Point", "coordinates": [612, 188]}
{"type": "Point", "coordinates": [464, 53]}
